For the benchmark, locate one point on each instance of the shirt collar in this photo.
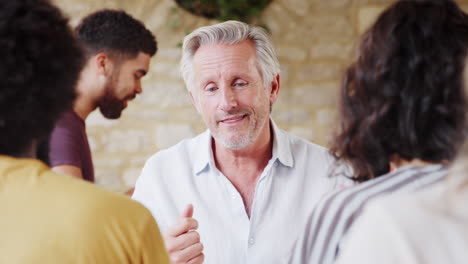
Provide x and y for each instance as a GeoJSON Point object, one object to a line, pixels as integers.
{"type": "Point", "coordinates": [281, 146]}
{"type": "Point", "coordinates": [204, 154]}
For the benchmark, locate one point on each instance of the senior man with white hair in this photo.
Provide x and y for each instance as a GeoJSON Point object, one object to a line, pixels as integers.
{"type": "Point", "coordinates": [238, 192]}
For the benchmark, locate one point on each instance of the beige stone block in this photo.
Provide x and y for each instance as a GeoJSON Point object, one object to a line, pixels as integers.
{"type": "Point", "coordinates": [334, 50]}
{"type": "Point", "coordinates": [138, 161]}
{"type": "Point", "coordinates": [93, 144]}
{"type": "Point", "coordinates": [97, 119]}
{"type": "Point", "coordinates": [331, 4]}
{"type": "Point", "coordinates": [167, 69]}
{"type": "Point", "coordinates": [278, 21]}
{"type": "Point", "coordinates": [140, 9]}
{"type": "Point", "coordinates": [272, 20]}
{"type": "Point", "coordinates": [315, 94]}
{"type": "Point", "coordinates": [166, 94]}
{"type": "Point", "coordinates": [74, 9]}
{"type": "Point", "coordinates": [284, 73]}
{"type": "Point", "coordinates": [373, 2]}
{"type": "Point", "coordinates": [327, 27]}
{"type": "Point", "coordinates": [107, 161]}
{"type": "Point", "coordinates": [109, 179]}
{"type": "Point", "coordinates": [152, 115]}
{"type": "Point", "coordinates": [367, 16]}
{"type": "Point", "coordinates": [136, 110]}
{"type": "Point", "coordinates": [303, 132]}
{"type": "Point", "coordinates": [130, 176]}
{"type": "Point", "coordinates": [199, 128]}
{"type": "Point", "coordinates": [291, 115]}
{"type": "Point", "coordinates": [298, 7]}
{"type": "Point", "coordinates": [320, 71]}
{"type": "Point", "coordinates": [291, 53]}
{"type": "Point", "coordinates": [284, 94]}
{"type": "Point", "coordinates": [326, 116]}
{"type": "Point", "coordinates": [157, 16]}
{"type": "Point", "coordinates": [187, 115]}
{"type": "Point", "coordinates": [170, 134]}
{"type": "Point", "coordinates": [322, 135]}
{"type": "Point", "coordinates": [169, 53]}
{"type": "Point", "coordinates": [464, 7]}
{"type": "Point", "coordinates": [127, 141]}
{"type": "Point", "coordinates": [295, 34]}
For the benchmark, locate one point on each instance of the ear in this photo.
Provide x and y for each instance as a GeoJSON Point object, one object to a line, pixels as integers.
{"type": "Point", "coordinates": [275, 86]}
{"type": "Point", "coordinates": [103, 64]}
{"type": "Point", "coordinates": [395, 162]}
{"type": "Point", "coordinates": [194, 102]}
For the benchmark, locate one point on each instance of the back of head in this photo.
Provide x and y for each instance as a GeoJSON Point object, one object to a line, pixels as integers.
{"type": "Point", "coordinates": [40, 65]}
{"type": "Point", "coordinates": [230, 32]}
{"type": "Point", "coordinates": [403, 95]}
{"type": "Point", "coordinates": [115, 33]}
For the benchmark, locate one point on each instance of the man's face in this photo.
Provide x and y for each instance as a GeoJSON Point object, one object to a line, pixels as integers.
{"type": "Point", "coordinates": [229, 94]}
{"type": "Point", "coordinates": [123, 85]}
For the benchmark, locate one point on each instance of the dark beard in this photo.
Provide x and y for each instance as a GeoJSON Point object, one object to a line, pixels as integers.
{"type": "Point", "coordinates": [110, 106]}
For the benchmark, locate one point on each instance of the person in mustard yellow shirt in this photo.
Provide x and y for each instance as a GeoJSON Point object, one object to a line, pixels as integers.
{"type": "Point", "coordinates": [45, 217]}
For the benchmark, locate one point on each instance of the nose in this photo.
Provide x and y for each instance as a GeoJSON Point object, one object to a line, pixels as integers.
{"type": "Point", "coordinates": [228, 99]}
{"type": "Point", "coordinates": [138, 88]}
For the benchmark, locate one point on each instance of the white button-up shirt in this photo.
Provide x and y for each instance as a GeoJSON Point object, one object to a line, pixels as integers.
{"type": "Point", "coordinates": [295, 178]}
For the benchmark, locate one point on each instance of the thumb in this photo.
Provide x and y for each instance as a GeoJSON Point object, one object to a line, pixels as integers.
{"type": "Point", "coordinates": [188, 211]}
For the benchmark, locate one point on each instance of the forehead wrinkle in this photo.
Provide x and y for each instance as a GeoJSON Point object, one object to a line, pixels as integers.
{"type": "Point", "coordinates": [217, 67]}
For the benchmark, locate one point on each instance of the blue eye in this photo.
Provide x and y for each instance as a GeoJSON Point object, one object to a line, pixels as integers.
{"type": "Point", "coordinates": [240, 84]}
{"type": "Point", "coordinates": [212, 89]}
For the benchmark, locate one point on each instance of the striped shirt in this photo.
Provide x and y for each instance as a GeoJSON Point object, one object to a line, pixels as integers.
{"type": "Point", "coordinates": [328, 224]}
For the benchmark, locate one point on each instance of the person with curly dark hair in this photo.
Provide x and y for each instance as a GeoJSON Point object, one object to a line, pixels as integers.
{"type": "Point", "coordinates": [118, 51]}
{"type": "Point", "coordinates": [434, 218]}
{"type": "Point", "coordinates": [45, 217]}
{"type": "Point", "coordinates": [402, 113]}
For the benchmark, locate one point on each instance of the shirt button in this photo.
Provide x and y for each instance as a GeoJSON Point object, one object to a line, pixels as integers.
{"type": "Point", "coordinates": [233, 195]}
{"type": "Point", "coordinates": [251, 241]}
{"type": "Point", "coordinates": [276, 164]}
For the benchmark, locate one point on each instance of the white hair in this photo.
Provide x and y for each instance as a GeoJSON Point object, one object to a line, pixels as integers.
{"type": "Point", "coordinates": [230, 32]}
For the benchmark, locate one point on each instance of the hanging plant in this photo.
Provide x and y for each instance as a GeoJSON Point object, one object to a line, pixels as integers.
{"type": "Point", "coordinates": [242, 10]}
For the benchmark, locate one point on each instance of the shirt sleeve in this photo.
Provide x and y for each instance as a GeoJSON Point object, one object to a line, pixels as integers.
{"type": "Point", "coordinates": [315, 244]}
{"type": "Point", "coordinates": [145, 192]}
{"type": "Point", "coordinates": [65, 146]}
{"type": "Point", "coordinates": [376, 238]}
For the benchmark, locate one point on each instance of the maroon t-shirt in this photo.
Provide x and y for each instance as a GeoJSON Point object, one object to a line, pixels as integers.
{"type": "Point", "coordinates": [68, 145]}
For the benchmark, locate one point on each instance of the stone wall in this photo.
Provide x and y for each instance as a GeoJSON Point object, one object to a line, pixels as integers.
{"type": "Point", "coordinates": [314, 40]}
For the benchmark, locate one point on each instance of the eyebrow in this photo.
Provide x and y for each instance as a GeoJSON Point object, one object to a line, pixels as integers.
{"type": "Point", "coordinates": [242, 76]}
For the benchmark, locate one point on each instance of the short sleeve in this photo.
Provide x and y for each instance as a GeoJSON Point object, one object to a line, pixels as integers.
{"type": "Point", "coordinates": [65, 145]}
{"type": "Point", "coordinates": [152, 248]}
{"type": "Point", "coordinates": [146, 189]}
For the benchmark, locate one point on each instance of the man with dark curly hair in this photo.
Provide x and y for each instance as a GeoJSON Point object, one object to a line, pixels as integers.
{"type": "Point", "coordinates": [47, 218]}
{"type": "Point", "coordinates": [402, 115]}
{"type": "Point", "coordinates": [118, 52]}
